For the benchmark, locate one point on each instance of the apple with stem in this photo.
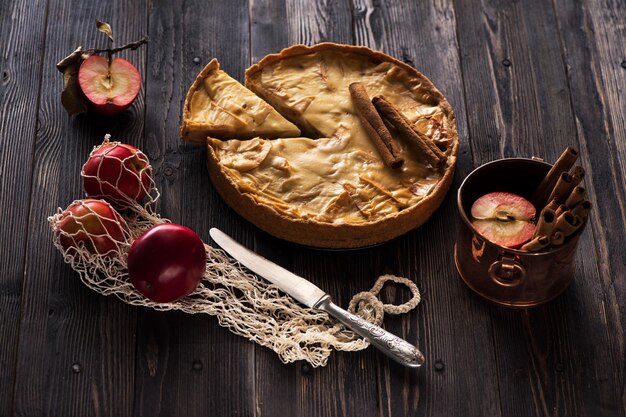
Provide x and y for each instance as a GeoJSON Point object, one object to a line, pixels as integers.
{"type": "Point", "coordinates": [102, 84]}
{"type": "Point", "coordinates": [110, 86]}
{"type": "Point", "coordinates": [504, 219]}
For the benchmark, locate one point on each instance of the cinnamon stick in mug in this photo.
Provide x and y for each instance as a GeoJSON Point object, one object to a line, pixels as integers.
{"type": "Point", "coordinates": [576, 196]}
{"type": "Point", "coordinates": [375, 127]}
{"type": "Point", "coordinates": [537, 244]}
{"type": "Point", "coordinates": [578, 174]}
{"type": "Point", "coordinates": [560, 210]}
{"type": "Point", "coordinates": [557, 238]}
{"type": "Point", "coordinates": [554, 204]}
{"type": "Point", "coordinates": [582, 209]}
{"type": "Point", "coordinates": [563, 164]}
{"type": "Point", "coordinates": [568, 224]}
{"type": "Point", "coordinates": [546, 223]}
{"type": "Point", "coordinates": [563, 187]}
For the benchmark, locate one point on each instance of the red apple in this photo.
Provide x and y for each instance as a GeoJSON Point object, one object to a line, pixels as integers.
{"type": "Point", "coordinates": [109, 89]}
{"type": "Point", "coordinates": [166, 262]}
{"type": "Point", "coordinates": [504, 219]}
{"type": "Point", "coordinates": [93, 225]}
{"type": "Point", "coordinates": [117, 172]}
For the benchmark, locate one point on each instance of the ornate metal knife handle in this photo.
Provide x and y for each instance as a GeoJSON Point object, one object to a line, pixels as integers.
{"type": "Point", "coordinates": [396, 348]}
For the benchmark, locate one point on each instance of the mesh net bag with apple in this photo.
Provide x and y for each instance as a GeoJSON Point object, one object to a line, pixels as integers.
{"type": "Point", "coordinates": [117, 243]}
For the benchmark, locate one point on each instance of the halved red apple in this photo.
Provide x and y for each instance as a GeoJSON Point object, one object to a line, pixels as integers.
{"type": "Point", "coordinates": [109, 89]}
{"type": "Point", "coordinates": [504, 218]}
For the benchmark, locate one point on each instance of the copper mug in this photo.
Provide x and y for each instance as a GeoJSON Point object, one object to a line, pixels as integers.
{"type": "Point", "coordinates": [509, 277]}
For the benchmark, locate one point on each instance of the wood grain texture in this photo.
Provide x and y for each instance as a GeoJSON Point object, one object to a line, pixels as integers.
{"type": "Point", "coordinates": [76, 348]}
{"type": "Point", "coordinates": [522, 98]}
{"type": "Point", "coordinates": [524, 78]}
{"type": "Point", "coordinates": [514, 80]}
{"type": "Point", "coordinates": [592, 35]}
{"type": "Point", "coordinates": [187, 364]}
{"type": "Point", "coordinates": [22, 30]}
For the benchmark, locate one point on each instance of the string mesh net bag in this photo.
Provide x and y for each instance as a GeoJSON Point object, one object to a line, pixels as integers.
{"type": "Point", "coordinates": [94, 237]}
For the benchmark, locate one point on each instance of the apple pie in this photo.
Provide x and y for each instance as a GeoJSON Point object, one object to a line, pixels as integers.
{"type": "Point", "coordinates": [217, 105]}
{"type": "Point", "coordinates": [328, 186]}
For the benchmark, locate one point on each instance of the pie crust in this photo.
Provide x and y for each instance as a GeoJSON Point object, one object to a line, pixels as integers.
{"type": "Point", "coordinates": [331, 189]}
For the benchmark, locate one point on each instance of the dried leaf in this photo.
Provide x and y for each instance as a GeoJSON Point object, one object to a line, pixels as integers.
{"type": "Point", "coordinates": [72, 58]}
{"type": "Point", "coordinates": [105, 28]}
{"type": "Point", "coordinates": [72, 96]}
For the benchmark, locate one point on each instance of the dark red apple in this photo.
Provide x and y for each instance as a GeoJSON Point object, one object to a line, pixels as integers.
{"type": "Point", "coordinates": [109, 89]}
{"type": "Point", "coordinates": [504, 219]}
{"type": "Point", "coordinates": [166, 262]}
{"type": "Point", "coordinates": [93, 225]}
{"type": "Point", "coordinates": [117, 172]}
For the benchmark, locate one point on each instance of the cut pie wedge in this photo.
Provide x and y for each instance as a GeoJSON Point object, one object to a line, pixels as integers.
{"type": "Point", "coordinates": [330, 188]}
{"type": "Point", "coordinates": [217, 105]}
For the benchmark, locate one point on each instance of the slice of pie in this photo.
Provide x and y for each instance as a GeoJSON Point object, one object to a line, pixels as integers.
{"type": "Point", "coordinates": [217, 105]}
{"type": "Point", "coordinates": [330, 187]}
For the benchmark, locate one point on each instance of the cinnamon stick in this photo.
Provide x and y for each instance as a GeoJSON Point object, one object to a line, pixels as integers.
{"type": "Point", "coordinates": [554, 204]}
{"type": "Point", "coordinates": [557, 238]}
{"type": "Point", "coordinates": [563, 164]}
{"type": "Point", "coordinates": [578, 174]}
{"type": "Point", "coordinates": [568, 224]}
{"type": "Point", "coordinates": [433, 147]}
{"type": "Point", "coordinates": [397, 119]}
{"type": "Point", "coordinates": [375, 127]}
{"type": "Point", "coordinates": [582, 209]}
{"type": "Point", "coordinates": [536, 244]}
{"type": "Point", "coordinates": [576, 196]}
{"type": "Point", "coordinates": [560, 210]}
{"type": "Point", "coordinates": [563, 187]}
{"type": "Point", "coordinates": [546, 222]}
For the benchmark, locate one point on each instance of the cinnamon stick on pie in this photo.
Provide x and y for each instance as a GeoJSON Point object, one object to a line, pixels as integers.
{"type": "Point", "coordinates": [404, 127]}
{"type": "Point", "coordinates": [430, 143]}
{"type": "Point", "coordinates": [375, 127]}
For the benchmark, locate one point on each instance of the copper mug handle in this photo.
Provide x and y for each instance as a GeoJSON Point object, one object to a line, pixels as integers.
{"type": "Point", "coordinates": [507, 272]}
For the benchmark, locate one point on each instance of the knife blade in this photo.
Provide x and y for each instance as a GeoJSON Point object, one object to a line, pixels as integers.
{"type": "Point", "coordinates": [299, 288]}
{"type": "Point", "coordinates": [312, 296]}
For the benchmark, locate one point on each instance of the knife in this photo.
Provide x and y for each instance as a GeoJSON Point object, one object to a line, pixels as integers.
{"type": "Point", "coordinates": [312, 296]}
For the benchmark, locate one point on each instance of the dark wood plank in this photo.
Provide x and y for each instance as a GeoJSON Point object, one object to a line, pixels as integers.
{"type": "Point", "coordinates": [517, 88]}
{"type": "Point", "coordinates": [187, 364]}
{"type": "Point", "coordinates": [538, 76]}
{"type": "Point", "coordinates": [22, 29]}
{"type": "Point", "coordinates": [593, 36]}
{"type": "Point", "coordinates": [441, 321]}
{"type": "Point", "coordinates": [346, 386]}
{"type": "Point", "coordinates": [76, 348]}
{"type": "Point", "coordinates": [276, 385]}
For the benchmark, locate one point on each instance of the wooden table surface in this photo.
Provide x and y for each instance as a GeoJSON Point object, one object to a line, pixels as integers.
{"type": "Point", "coordinates": [524, 78]}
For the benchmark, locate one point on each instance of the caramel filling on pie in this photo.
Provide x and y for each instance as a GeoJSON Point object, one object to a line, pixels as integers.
{"type": "Point", "coordinates": [339, 177]}
{"type": "Point", "coordinates": [221, 107]}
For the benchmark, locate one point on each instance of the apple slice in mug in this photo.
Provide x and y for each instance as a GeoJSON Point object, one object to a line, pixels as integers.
{"type": "Point", "coordinates": [109, 88]}
{"type": "Point", "coordinates": [504, 218]}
